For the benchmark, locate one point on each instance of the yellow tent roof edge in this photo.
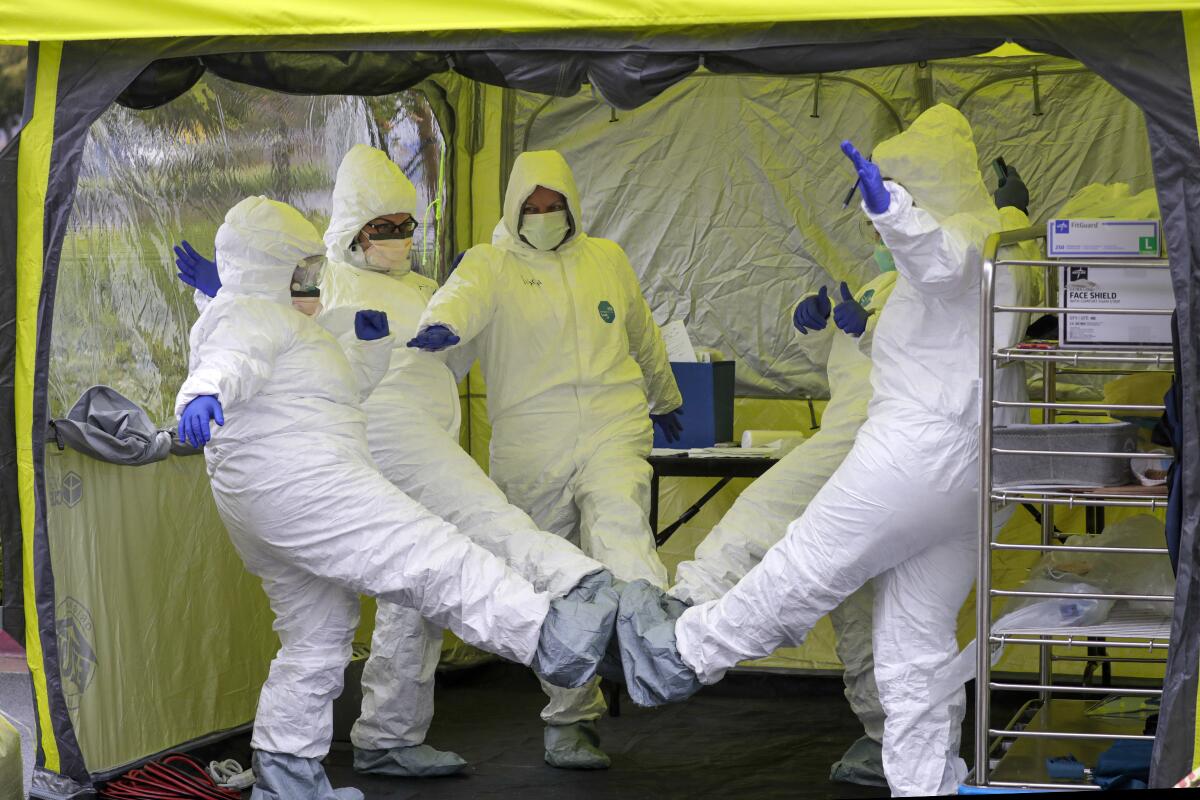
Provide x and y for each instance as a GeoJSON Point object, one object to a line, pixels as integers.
{"type": "Point", "coordinates": [78, 20]}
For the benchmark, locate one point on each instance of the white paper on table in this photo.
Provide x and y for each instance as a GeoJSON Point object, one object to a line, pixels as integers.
{"type": "Point", "coordinates": [733, 452]}
{"type": "Point", "coordinates": [667, 451]}
{"type": "Point", "coordinates": [679, 344]}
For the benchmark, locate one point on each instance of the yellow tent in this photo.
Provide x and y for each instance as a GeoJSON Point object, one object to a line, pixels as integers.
{"type": "Point", "coordinates": [123, 622]}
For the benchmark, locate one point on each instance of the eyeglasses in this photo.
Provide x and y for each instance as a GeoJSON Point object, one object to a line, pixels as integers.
{"type": "Point", "coordinates": [391, 230]}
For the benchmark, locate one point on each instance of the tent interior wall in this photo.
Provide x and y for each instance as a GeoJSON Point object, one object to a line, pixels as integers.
{"type": "Point", "coordinates": [678, 136]}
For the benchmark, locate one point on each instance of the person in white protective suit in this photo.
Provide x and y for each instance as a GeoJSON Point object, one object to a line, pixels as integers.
{"type": "Point", "coordinates": [760, 516]}
{"type": "Point", "coordinates": [574, 363]}
{"type": "Point", "coordinates": [902, 507]}
{"type": "Point", "coordinates": [412, 429]}
{"type": "Point", "coordinates": [311, 515]}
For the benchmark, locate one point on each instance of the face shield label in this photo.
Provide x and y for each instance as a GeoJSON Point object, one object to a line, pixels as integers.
{"type": "Point", "coordinates": [607, 312]}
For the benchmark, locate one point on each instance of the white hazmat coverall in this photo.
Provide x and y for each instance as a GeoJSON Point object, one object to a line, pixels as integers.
{"type": "Point", "coordinates": [760, 516]}
{"type": "Point", "coordinates": [412, 430]}
{"type": "Point", "coordinates": [902, 507]}
{"type": "Point", "coordinates": [570, 354]}
{"type": "Point", "coordinates": [304, 504]}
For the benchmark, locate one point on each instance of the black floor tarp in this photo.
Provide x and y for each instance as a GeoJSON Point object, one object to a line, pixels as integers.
{"type": "Point", "coordinates": [751, 736]}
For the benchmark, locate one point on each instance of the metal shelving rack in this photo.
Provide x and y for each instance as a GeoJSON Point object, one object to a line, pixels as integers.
{"type": "Point", "coordinates": [1014, 756]}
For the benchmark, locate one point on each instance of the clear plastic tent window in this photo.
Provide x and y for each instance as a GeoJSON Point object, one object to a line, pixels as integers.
{"type": "Point", "coordinates": [152, 178]}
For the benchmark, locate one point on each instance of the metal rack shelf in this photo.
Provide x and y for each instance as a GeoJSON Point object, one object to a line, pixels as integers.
{"type": "Point", "coordinates": [1015, 757]}
{"type": "Point", "coordinates": [1034, 735]}
{"type": "Point", "coordinates": [1122, 624]}
{"type": "Point", "coordinates": [1149, 408]}
{"type": "Point", "coordinates": [1082, 498]}
{"type": "Point", "coordinates": [1071, 548]}
{"type": "Point", "coordinates": [1158, 357]}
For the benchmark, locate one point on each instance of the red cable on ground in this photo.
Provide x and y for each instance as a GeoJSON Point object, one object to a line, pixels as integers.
{"type": "Point", "coordinates": [175, 777]}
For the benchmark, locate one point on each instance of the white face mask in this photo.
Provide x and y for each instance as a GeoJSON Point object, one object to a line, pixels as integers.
{"type": "Point", "coordinates": [389, 255]}
{"type": "Point", "coordinates": [883, 257]}
{"type": "Point", "coordinates": [308, 306]}
{"type": "Point", "coordinates": [545, 231]}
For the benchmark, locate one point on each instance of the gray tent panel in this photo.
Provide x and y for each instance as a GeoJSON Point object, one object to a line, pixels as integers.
{"type": "Point", "coordinates": [355, 72]}
{"type": "Point", "coordinates": [10, 518]}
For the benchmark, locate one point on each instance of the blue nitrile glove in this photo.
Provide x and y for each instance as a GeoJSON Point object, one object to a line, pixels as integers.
{"type": "Point", "coordinates": [195, 270]}
{"type": "Point", "coordinates": [812, 312]}
{"type": "Point", "coordinates": [370, 325]}
{"type": "Point", "coordinates": [195, 419]}
{"type": "Point", "coordinates": [870, 182]}
{"type": "Point", "coordinates": [670, 424]}
{"type": "Point", "coordinates": [1012, 191]}
{"type": "Point", "coordinates": [849, 315]}
{"type": "Point", "coordinates": [434, 338]}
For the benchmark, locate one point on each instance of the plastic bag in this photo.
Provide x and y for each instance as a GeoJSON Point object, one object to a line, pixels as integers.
{"type": "Point", "coordinates": [1119, 573]}
{"type": "Point", "coordinates": [1023, 613]}
{"type": "Point", "coordinates": [1073, 573]}
{"type": "Point", "coordinates": [1151, 471]}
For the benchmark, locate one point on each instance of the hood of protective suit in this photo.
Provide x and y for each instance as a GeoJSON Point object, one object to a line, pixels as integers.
{"type": "Point", "coordinates": [1110, 201]}
{"type": "Point", "coordinates": [368, 185]}
{"type": "Point", "coordinates": [538, 168]}
{"type": "Point", "coordinates": [259, 246]}
{"type": "Point", "coordinates": [936, 161]}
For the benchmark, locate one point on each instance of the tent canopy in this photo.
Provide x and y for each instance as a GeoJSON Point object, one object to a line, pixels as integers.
{"type": "Point", "coordinates": [77, 20]}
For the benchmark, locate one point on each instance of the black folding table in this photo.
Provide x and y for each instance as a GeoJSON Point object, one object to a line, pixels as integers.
{"type": "Point", "coordinates": [724, 468]}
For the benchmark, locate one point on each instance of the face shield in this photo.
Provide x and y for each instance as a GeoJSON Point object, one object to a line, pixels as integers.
{"type": "Point", "coordinates": [306, 284]}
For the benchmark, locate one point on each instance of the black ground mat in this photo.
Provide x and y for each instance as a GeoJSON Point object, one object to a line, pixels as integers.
{"type": "Point", "coordinates": [754, 735]}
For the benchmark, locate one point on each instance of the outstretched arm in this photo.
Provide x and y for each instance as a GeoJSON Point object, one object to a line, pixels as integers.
{"type": "Point", "coordinates": [462, 307]}
{"type": "Point", "coordinates": [233, 354]}
{"type": "Point", "coordinates": [927, 253]}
